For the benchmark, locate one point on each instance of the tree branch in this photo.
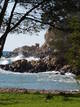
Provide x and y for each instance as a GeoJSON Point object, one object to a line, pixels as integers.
{"type": "Point", "coordinates": [11, 16]}
{"type": "Point", "coordinates": [50, 24]}
{"type": "Point", "coordinates": [24, 16]}
{"type": "Point", "coordinates": [3, 11]}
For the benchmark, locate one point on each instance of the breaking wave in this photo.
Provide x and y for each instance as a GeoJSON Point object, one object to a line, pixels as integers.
{"type": "Point", "coordinates": [50, 80]}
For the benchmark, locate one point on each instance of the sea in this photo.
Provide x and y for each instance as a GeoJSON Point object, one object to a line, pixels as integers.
{"type": "Point", "coordinates": [50, 80]}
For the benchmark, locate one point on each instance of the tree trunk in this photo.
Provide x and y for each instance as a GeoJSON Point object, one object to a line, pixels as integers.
{"type": "Point", "coordinates": [2, 13]}
{"type": "Point", "coordinates": [2, 42]}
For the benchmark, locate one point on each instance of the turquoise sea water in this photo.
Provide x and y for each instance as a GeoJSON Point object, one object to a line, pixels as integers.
{"type": "Point", "coordinates": [50, 80]}
{"type": "Point", "coordinates": [46, 81]}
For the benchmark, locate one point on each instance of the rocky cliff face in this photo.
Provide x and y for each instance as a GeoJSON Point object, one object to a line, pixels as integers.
{"type": "Point", "coordinates": [33, 50]}
{"type": "Point", "coordinates": [56, 41]}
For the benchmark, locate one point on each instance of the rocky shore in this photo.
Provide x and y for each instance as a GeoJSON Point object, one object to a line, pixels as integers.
{"type": "Point", "coordinates": [48, 63]}
{"type": "Point", "coordinates": [17, 90]}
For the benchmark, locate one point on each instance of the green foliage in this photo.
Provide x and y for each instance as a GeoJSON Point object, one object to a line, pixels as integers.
{"type": "Point", "coordinates": [58, 11]}
{"type": "Point", "coordinates": [57, 41]}
{"type": "Point", "coordinates": [73, 53]}
{"type": "Point", "coordinates": [74, 23]}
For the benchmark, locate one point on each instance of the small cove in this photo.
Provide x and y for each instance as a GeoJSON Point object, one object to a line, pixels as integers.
{"type": "Point", "coordinates": [40, 81]}
{"type": "Point", "coordinates": [50, 80]}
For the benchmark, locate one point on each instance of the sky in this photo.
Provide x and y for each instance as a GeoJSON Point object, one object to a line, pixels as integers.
{"type": "Point", "coordinates": [17, 40]}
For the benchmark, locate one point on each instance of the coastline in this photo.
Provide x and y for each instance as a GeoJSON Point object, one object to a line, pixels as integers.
{"type": "Point", "coordinates": [23, 90]}
{"type": "Point", "coordinates": [35, 64]}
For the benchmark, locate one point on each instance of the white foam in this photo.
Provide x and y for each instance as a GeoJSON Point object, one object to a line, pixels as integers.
{"type": "Point", "coordinates": [16, 73]}
{"type": "Point", "coordinates": [19, 57]}
{"type": "Point", "coordinates": [52, 72]}
{"type": "Point", "coordinates": [69, 74]}
{"type": "Point", "coordinates": [32, 58]}
{"type": "Point", "coordinates": [4, 61]}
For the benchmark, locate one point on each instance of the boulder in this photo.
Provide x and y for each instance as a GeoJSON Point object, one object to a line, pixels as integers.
{"type": "Point", "coordinates": [18, 66]}
{"type": "Point", "coordinates": [48, 63]}
{"type": "Point", "coordinates": [42, 65]}
{"type": "Point", "coordinates": [66, 68]}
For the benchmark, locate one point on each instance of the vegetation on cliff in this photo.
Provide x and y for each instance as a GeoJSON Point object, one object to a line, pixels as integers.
{"type": "Point", "coordinates": [73, 53]}
{"type": "Point", "coordinates": [66, 45]}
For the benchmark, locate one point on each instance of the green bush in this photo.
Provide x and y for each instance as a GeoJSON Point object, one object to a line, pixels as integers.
{"type": "Point", "coordinates": [73, 53]}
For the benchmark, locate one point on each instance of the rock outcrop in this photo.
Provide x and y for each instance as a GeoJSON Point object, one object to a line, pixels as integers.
{"type": "Point", "coordinates": [56, 41]}
{"type": "Point", "coordinates": [44, 64]}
